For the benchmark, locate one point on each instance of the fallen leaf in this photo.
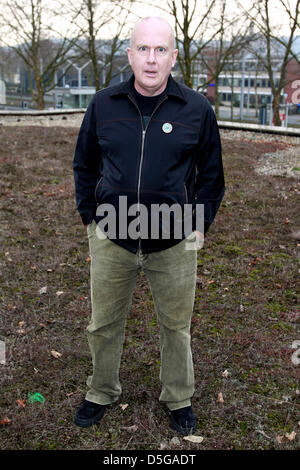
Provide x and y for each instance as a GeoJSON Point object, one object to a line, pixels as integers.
{"type": "Point", "coordinates": [43, 290]}
{"type": "Point", "coordinates": [196, 439]}
{"type": "Point", "coordinates": [148, 363]}
{"type": "Point", "coordinates": [163, 446]}
{"type": "Point", "coordinates": [59, 292]}
{"type": "Point", "coordinates": [43, 325]}
{"type": "Point", "coordinates": [123, 406]}
{"type": "Point", "coordinates": [295, 357]}
{"type": "Point", "coordinates": [279, 439]}
{"type": "Point", "coordinates": [225, 374]}
{"type": "Point", "coordinates": [295, 234]}
{"type": "Point", "coordinates": [69, 394]}
{"type": "Point", "coordinates": [21, 323]}
{"type": "Point", "coordinates": [21, 331]}
{"type": "Point", "coordinates": [5, 421]}
{"type": "Point", "coordinates": [88, 259]}
{"type": "Point", "coordinates": [56, 354]}
{"type": "Point", "coordinates": [21, 403]}
{"type": "Point", "coordinates": [132, 428]}
{"type": "Point", "coordinates": [220, 398]}
{"type": "Point", "coordinates": [33, 267]}
{"type": "Point", "coordinates": [175, 441]}
{"type": "Point", "coordinates": [290, 436]}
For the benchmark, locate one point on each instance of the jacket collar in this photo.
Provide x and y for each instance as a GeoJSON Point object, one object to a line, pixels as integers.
{"type": "Point", "coordinates": [172, 88]}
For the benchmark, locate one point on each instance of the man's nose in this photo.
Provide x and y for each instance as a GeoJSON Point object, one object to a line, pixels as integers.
{"type": "Point", "coordinates": [151, 55]}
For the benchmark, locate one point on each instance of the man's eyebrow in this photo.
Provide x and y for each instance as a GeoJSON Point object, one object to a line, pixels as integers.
{"type": "Point", "coordinates": [144, 44]}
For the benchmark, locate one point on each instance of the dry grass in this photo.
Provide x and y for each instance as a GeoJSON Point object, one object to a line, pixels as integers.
{"type": "Point", "coordinates": [246, 315]}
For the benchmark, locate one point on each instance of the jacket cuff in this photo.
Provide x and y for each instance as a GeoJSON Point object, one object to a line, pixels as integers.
{"type": "Point", "coordinates": [87, 218]}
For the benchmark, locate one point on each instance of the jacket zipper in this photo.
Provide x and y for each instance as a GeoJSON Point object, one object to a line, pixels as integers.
{"type": "Point", "coordinates": [97, 185]}
{"type": "Point", "coordinates": [186, 194]}
{"type": "Point", "coordinates": [142, 152]}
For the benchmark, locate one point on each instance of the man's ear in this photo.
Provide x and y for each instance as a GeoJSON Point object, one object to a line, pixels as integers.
{"type": "Point", "coordinates": [129, 54]}
{"type": "Point", "coordinates": [174, 56]}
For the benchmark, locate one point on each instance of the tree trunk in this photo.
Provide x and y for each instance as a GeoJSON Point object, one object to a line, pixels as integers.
{"type": "Point", "coordinates": [232, 97]}
{"type": "Point", "coordinates": [38, 93]}
{"type": "Point", "coordinates": [96, 72]}
{"type": "Point", "coordinates": [40, 101]}
{"type": "Point", "coordinates": [276, 101]}
{"type": "Point", "coordinates": [217, 101]}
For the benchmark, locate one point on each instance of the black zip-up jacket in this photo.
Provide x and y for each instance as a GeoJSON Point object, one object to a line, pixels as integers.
{"type": "Point", "coordinates": [115, 157]}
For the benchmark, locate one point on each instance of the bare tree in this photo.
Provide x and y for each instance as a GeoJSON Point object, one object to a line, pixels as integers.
{"type": "Point", "coordinates": [293, 13]}
{"type": "Point", "coordinates": [103, 27]}
{"type": "Point", "coordinates": [233, 33]}
{"type": "Point", "coordinates": [273, 49]}
{"type": "Point", "coordinates": [27, 30]}
{"type": "Point", "coordinates": [193, 31]}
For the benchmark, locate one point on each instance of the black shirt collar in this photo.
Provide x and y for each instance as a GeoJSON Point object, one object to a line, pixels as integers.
{"type": "Point", "coordinates": [127, 87]}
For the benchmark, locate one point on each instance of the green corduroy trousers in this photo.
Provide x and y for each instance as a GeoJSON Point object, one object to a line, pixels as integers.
{"type": "Point", "coordinates": [171, 274]}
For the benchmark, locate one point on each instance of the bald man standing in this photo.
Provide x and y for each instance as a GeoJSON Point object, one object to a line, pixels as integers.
{"type": "Point", "coordinates": [148, 156]}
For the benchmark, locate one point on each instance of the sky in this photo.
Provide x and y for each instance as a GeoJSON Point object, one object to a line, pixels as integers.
{"type": "Point", "coordinates": [277, 15]}
{"type": "Point", "coordinates": [141, 10]}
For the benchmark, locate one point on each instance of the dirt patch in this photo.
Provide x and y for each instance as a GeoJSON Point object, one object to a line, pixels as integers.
{"type": "Point", "coordinates": [246, 315]}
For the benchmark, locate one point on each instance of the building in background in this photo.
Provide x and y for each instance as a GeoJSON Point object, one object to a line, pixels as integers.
{"type": "Point", "coordinates": [243, 74]}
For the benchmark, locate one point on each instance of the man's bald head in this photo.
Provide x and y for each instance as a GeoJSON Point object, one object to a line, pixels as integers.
{"type": "Point", "coordinates": [153, 20]}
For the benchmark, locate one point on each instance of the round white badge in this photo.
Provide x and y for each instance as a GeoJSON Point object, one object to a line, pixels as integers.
{"type": "Point", "coordinates": [167, 127]}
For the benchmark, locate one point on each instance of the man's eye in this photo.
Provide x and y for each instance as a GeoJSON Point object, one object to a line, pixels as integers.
{"type": "Point", "coordinates": [143, 48]}
{"type": "Point", "coordinates": [161, 50]}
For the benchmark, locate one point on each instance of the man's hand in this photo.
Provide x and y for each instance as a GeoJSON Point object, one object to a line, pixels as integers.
{"type": "Point", "coordinates": [200, 239]}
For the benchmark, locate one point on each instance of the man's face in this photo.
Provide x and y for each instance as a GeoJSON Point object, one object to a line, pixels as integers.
{"type": "Point", "coordinates": [152, 56]}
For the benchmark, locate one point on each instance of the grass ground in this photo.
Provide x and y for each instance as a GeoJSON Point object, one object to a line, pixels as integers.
{"type": "Point", "coordinates": [246, 314]}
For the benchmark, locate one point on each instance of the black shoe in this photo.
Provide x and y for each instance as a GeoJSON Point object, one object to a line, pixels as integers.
{"type": "Point", "coordinates": [183, 420]}
{"type": "Point", "coordinates": [89, 413]}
